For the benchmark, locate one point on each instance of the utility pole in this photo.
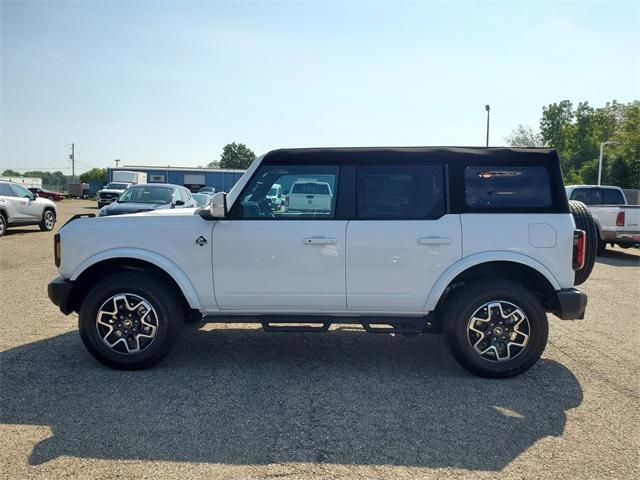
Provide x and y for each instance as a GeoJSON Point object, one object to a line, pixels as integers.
{"type": "Point", "coordinates": [117, 160]}
{"type": "Point", "coordinates": [487, 108]}
{"type": "Point", "coordinates": [602, 144]}
{"type": "Point", "coordinates": [73, 162]}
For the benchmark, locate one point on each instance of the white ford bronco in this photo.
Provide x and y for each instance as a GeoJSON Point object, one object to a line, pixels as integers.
{"type": "Point", "coordinates": [476, 243]}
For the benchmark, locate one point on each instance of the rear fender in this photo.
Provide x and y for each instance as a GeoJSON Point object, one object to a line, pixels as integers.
{"type": "Point", "coordinates": [477, 259]}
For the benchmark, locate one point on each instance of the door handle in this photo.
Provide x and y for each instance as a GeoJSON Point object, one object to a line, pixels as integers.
{"type": "Point", "coordinates": [435, 241]}
{"type": "Point", "coordinates": [319, 241]}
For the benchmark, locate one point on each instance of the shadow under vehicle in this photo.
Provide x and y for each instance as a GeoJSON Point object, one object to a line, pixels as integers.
{"type": "Point", "coordinates": [246, 397]}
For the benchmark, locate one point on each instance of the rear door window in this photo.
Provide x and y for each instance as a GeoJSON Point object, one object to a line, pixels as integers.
{"type": "Point", "coordinates": [400, 192]}
{"type": "Point", "coordinates": [507, 187]}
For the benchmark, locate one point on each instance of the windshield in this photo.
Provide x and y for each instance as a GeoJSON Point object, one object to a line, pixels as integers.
{"type": "Point", "coordinates": [116, 186]}
{"type": "Point", "coordinates": [272, 192]}
{"type": "Point", "coordinates": [146, 195]}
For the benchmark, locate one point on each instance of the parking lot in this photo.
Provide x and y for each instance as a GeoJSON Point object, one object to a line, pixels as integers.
{"type": "Point", "coordinates": [234, 402]}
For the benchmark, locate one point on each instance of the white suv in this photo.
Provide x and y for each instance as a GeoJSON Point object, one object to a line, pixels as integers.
{"type": "Point", "coordinates": [477, 243]}
{"type": "Point", "coordinates": [19, 207]}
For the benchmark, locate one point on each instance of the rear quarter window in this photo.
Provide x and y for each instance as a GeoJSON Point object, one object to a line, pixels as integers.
{"type": "Point", "coordinates": [507, 187]}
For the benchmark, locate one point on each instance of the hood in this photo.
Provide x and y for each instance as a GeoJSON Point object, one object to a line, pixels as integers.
{"type": "Point", "coordinates": [117, 208]}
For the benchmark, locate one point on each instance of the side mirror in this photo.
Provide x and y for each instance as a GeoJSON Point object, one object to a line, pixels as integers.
{"type": "Point", "coordinates": [216, 208]}
{"type": "Point", "coordinates": [34, 195]}
{"type": "Point", "coordinates": [179, 203]}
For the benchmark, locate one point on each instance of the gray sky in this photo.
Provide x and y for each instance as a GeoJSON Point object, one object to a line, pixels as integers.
{"type": "Point", "coordinates": [172, 83]}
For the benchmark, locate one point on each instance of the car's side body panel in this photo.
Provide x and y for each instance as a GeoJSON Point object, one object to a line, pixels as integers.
{"type": "Point", "coordinates": [545, 238]}
{"type": "Point", "coordinates": [392, 265]}
{"type": "Point", "coordinates": [169, 242]}
{"type": "Point", "coordinates": [280, 265]}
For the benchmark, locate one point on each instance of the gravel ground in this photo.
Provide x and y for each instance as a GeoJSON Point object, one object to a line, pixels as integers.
{"type": "Point", "coordinates": [234, 402]}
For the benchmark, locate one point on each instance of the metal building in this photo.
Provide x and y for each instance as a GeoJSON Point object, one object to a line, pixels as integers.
{"type": "Point", "coordinates": [192, 178]}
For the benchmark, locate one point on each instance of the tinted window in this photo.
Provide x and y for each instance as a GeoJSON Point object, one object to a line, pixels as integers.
{"type": "Point", "coordinates": [310, 192]}
{"type": "Point", "coordinates": [507, 187]}
{"type": "Point", "coordinates": [597, 196]}
{"type": "Point", "coordinates": [400, 192]}
{"type": "Point", "coordinates": [5, 190]}
{"type": "Point", "coordinates": [612, 197]}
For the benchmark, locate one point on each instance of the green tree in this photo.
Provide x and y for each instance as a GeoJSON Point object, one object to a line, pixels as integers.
{"type": "Point", "coordinates": [524, 136]}
{"type": "Point", "coordinates": [236, 156]}
{"type": "Point", "coordinates": [94, 175]}
{"type": "Point", "coordinates": [577, 133]}
{"type": "Point", "coordinates": [11, 173]}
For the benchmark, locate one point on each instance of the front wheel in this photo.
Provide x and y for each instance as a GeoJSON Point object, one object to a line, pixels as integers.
{"type": "Point", "coordinates": [495, 328]}
{"type": "Point", "coordinates": [48, 221]}
{"type": "Point", "coordinates": [130, 320]}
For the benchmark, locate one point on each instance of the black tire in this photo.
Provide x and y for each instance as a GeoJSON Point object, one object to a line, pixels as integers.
{"type": "Point", "coordinates": [3, 224]}
{"type": "Point", "coordinates": [161, 296]}
{"type": "Point", "coordinates": [584, 221]}
{"type": "Point", "coordinates": [48, 220]}
{"type": "Point", "coordinates": [461, 306]}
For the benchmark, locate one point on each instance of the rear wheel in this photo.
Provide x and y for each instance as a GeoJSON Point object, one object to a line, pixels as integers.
{"type": "Point", "coordinates": [584, 221]}
{"type": "Point", "coordinates": [130, 320]}
{"type": "Point", "coordinates": [3, 225]}
{"type": "Point", "coordinates": [495, 328]}
{"type": "Point", "coordinates": [48, 221]}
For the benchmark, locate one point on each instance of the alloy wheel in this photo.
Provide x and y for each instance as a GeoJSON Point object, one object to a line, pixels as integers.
{"type": "Point", "coordinates": [49, 220]}
{"type": "Point", "coordinates": [498, 331]}
{"type": "Point", "coordinates": [127, 323]}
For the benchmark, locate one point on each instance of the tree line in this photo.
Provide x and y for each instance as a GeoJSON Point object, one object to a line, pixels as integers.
{"type": "Point", "coordinates": [235, 156]}
{"type": "Point", "coordinates": [577, 132]}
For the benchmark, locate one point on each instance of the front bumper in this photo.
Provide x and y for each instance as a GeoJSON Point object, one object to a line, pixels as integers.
{"type": "Point", "coordinates": [571, 304]}
{"type": "Point", "coordinates": [59, 291]}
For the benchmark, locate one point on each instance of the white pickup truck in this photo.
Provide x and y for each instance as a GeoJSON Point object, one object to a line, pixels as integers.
{"type": "Point", "coordinates": [477, 243]}
{"type": "Point", "coordinates": [309, 196]}
{"type": "Point", "coordinates": [121, 180]}
{"type": "Point", "coordinates": [617, 222]}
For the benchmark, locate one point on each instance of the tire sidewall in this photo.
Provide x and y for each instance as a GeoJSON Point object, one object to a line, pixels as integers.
{"type": "Point", "coordinates": [467, 355]}
{"type": "Point", "coordinates": [168, 324]}
{"type": "Point", "coordinates": [44, 220]}
{"type": "Point", "coordinates": [3, 225]}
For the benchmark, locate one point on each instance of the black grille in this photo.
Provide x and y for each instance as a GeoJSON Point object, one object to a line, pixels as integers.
{"type": "Point", "coordinates": [108, 196]}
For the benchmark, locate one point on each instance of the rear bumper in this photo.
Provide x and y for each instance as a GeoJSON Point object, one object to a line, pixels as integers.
{"type": "Point", "coordinates": [629, 237]}
{"type": "Point", "coordinates": [571, 304]}
{"type": "Point", "coordinates": [59, 291]}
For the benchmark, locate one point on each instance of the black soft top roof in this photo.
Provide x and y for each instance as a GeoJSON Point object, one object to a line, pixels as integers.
{"type": "Point", "coordinates": [412, 154]}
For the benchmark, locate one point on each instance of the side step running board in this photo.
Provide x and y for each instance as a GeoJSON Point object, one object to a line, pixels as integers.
{"type": "Point", "coordinates": [318, 323]}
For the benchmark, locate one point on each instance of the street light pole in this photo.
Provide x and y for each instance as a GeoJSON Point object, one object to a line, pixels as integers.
{"type": "Point", "coordinates": [602, 144]}
{"type": "Point", "coordinates": [117, 160]}
{"type": "Point", "coordinates": [487, 108]}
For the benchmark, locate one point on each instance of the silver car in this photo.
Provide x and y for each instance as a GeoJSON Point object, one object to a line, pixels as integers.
{"type": "Point", "coordinates": [19, 207]}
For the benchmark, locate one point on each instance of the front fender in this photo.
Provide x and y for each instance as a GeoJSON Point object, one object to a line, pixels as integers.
{"type": "Point", "coordinates": [169, 267]}
{"type": "Point", "coordinates": [479, 258]}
